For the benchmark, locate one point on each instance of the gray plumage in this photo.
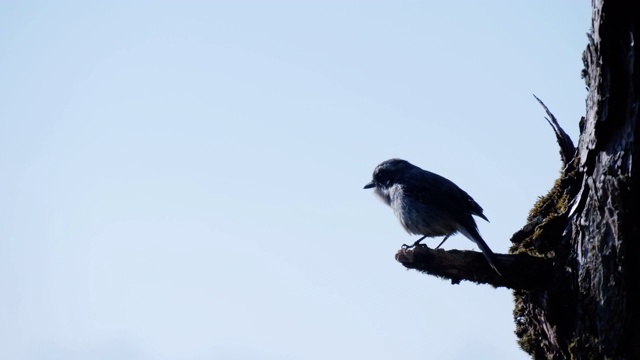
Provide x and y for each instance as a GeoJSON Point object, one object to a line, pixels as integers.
{"type": "Point", "coordinates": [428, 204]}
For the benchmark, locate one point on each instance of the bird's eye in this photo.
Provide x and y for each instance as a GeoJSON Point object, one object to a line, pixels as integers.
{"type": "Point", "coordinates": [383, 177]}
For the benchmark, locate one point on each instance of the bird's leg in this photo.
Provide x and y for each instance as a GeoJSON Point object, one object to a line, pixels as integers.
{"type": "Point", "coordinates": [442, 242]}
{"type": "Point", "coordinates": [405, 246]}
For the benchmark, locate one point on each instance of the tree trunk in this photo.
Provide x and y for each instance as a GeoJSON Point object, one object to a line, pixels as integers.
{"type": "Point", "coordinates": [605, 226]}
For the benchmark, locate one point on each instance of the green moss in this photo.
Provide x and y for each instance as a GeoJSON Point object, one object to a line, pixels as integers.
{"type": "Point", "coordinates": [554, 202]}
{"type": "Point", "coordinates": [580, 348]}
{"type": "Point", "coordinates": [572, 348]}
{"type": "Point", "coordinates": [528, 338]}
{"type": "Point", "coordinates": [539, 238]}
{"type": "Point", "coordinates": [542, 236]}
{"type": "Point", "coordinates": [546, 209]}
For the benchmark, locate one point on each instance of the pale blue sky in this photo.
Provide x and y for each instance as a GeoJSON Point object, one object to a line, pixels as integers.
{"type": "Point", "coordinates": [183, 180]}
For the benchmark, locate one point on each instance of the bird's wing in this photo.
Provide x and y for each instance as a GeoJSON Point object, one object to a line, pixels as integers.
{"type": "Point", "coordinates": [436, 191]}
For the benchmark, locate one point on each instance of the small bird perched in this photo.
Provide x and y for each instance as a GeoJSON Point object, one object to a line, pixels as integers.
{"type": "Point", "coordinates": [427, 204]}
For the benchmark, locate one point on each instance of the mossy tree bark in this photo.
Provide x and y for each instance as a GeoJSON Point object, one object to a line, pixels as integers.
{"type": "Point", "coordinates": [587, 229]}
{"type": "Point", "coordinates": [592, 308]}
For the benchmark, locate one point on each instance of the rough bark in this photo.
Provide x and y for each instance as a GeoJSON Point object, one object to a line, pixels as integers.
{"type": "Point", "coordinates": [604, 226]}
{"type": "Point", "coordinates": [520, 271]}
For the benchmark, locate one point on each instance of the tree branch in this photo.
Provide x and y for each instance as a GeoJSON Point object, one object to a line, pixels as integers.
{"type": "Point", "coordinates": [567, 149]}
{"type": "Point", "coordinates": [521, 271]}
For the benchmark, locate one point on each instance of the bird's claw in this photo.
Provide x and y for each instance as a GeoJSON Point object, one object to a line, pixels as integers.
{"type": "Point", "coordinates": [417, 243]}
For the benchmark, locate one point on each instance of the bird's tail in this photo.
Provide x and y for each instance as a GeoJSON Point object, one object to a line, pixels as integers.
{"type": "Point", "coordinates": [472, 234]}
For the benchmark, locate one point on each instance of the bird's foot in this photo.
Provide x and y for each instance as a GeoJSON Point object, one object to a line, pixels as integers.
{"type": "Point", "coordinates": [417, 243]}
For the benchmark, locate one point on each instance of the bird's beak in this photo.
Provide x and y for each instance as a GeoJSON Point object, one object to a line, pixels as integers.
{"type": "Point", "coordinates": [370, 185]}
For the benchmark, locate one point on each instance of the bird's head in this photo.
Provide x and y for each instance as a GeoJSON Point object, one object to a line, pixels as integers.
{"type": "Point", "coordinates": [387, 173]}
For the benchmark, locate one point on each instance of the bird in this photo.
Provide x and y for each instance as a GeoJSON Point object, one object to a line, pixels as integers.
{"type": "Point", "coordinates": [428, 204]}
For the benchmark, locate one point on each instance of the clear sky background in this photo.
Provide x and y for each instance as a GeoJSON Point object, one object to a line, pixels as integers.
{"type": "Point", "coordinates": [183, 180]}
